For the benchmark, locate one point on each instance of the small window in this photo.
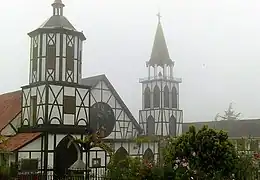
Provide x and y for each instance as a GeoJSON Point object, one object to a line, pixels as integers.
{"type": "Point", "coordinates": [156, 97]}
{"type": "Point", "coordinates": [121, 154]}
{"type": "Point", "coordinates": [148, 155]}
{"type": "Point", "coordinates": [147, 98]}
{"type": "Point", "coordinates": [172, 126]}
{"type": "Point", "coordinates": [96, 162]}
{"type": "Point", "coordinates": [174, 98]}
{"type": "Point", "coordinates": [35, 57]}
{"type": "Point", "coordinates": [150, 126]}
{"type": "Point", "coordinates": [51, 56]}
{"type": "Point", "coordinates": [29, 165]}
{"type": "Point", "coordinates": [166, 96]}
{"type": "Point", "coordinates": [33, 109]}
{"type": "Point", "coordinates": [70, 60]}
{"type": "Point", "coordinates": [69, 105]}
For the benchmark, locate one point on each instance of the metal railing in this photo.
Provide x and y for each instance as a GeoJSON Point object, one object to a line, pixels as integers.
{"type": "Point", "coordinates": [52, 177]}
{"type": "Point", "coordinates": [179, 80]}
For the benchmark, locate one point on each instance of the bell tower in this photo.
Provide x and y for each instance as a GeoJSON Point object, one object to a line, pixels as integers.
{"type": "Point", "coordinates": [54, 95]}
{"type": "Point", "coordinates": [160, 114]}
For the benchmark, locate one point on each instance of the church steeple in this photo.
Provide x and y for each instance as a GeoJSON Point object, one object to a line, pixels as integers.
{"type": "Point", "coordinates": [160, 114]}
{"type": "Point", "coordinates": [160, 55]}
{"type": "Point", "coordinates": [58, 8]}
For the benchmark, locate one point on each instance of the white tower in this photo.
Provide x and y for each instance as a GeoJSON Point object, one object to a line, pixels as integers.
{"type": "Point", "coordinates": [160, 114]}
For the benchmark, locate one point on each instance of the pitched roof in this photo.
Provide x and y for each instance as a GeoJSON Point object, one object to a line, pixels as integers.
{"type": "Point", "coordinates": [57, 22]}
{"type": "Point", "coordinates": [10, 107]}
{"type": "Point", "coordinates": [160, 54]}
{"type": "Point", "coordinates": [93, 81]}
{"type": "Point", "coordinates": [18, 141]}
{"type": "Point", "coordinates": [234, 128]}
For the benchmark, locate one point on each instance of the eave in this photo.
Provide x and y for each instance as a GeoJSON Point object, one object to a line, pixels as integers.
{"type": "Point", "coordinates": [57, 30]}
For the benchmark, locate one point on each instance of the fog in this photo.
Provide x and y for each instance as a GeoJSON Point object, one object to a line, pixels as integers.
{"type": "Point", "coordinates": [214, 43]}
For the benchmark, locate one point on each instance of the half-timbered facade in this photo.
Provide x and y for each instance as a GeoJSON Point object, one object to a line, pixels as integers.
{"type": "Point", "coordinates": [58, 106]}
{"type": "Point", "coordinates": [120, 125]}
{"type": "Point", "coordinates": [160, 114]}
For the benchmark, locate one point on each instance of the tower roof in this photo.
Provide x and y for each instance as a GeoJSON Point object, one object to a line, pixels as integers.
{"type": "Point", "coordinates": [57, 20]}
{"type": "Point", "coordinates": [160, 55]}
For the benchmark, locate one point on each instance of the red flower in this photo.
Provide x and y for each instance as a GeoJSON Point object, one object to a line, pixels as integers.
{"type": "Point", "coordinates": [256, 155]}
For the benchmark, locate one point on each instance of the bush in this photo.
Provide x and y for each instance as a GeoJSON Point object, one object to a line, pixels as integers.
{"type": "Point", "coordinates": [209, 153]}
{"type": "Point", "coordinates": [139, 169]}
{"type": "Point", "coordinates": [132, 168]}
{"type": "Point", "coordinates": [4, 173]}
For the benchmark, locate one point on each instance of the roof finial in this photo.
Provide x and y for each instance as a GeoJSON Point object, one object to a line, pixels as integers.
{"type": "Point", "coordinates": [58, 8]}
{"type": "Point", "coordinates": [159, 16]}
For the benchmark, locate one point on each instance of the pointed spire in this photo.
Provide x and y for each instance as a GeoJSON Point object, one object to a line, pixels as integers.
{"type": "Point", "coordinates": [159, 17]}
{"type": "Point", "coordinates": [160, 54]}
{"type": "Point", "coordinates": [58, 8]}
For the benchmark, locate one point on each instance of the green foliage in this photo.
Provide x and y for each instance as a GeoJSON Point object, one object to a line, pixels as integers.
{"type": "Point", "coordinates": [94, 140]}
{"type": "Point", "coordinates": [246, 166]}
{"type": "Point", "coordinates": [133, 168]}
{"type": "Point", "coordinates": [209, 153]}
{"type": "Point", "coordinates": [4, 172]}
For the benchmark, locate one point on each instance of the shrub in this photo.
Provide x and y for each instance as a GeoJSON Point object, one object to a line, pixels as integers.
{"type": "Point", "coordinates": [209, 153]}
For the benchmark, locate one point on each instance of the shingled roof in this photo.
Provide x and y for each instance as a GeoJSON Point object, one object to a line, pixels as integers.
{"type": "Point", "coordinates": [10, 107]}
{"type": "Point", "coordinates": [234, 128]}
{"type": "Point", "coordinates": [18, 141]}
{"type": "Point", "coordinates": [160, 55]}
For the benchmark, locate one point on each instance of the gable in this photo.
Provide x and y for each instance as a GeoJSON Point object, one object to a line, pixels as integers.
{"type": "Point", "coordinates": [10, 107]}
{"type": "Point", "coordinates": [102, 91]}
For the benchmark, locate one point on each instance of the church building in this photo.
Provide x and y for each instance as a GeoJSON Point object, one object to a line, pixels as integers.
{"type": "Point", "coordinates": [42, 120]}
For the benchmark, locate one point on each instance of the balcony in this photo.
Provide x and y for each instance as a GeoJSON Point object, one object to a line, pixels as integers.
{"type": "Point", "coordinates": [155, 78]}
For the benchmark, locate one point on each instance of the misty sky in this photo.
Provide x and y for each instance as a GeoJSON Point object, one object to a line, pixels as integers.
{"type": "Point", "coordinates": [214, 43]}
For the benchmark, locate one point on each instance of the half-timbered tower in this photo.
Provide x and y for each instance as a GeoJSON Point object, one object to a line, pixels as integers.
{"type": "Point", "coordinates": [54, 94]}
{"type": "Point", "coordinates": [54, 103]}
{"type": "Point", "coordinates": [160, 114]}
{"type": "Point", "coordinates": [59, 106]}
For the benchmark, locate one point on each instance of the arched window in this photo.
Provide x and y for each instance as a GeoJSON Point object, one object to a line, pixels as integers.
{"type": "Point", "coordinates": [156, 97]}
{"type": "Point", "coordinates": [148, 155]}
{"type": "Point", "coordinates": [147, 98]}
{"type": "Point", "coordinates": [150, 128]}
{"type": "Point", "coordinates": [121, 154]}
{"type": "Point", "coordinates": [166, 96]}
{"type": "Point", "coordinates": [66, 154]}
{"type": "Point", "coordinates": [174, 98]}
{"type": "Point", "coordinates": [172, 126]}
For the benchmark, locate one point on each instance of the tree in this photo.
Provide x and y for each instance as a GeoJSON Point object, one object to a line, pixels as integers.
{"type": "Point", "coordinates": [209, 153]}
{"type": "Point", "coordinates": [94, 139]}
{"type": "Point", "coordinates": [229, 114]}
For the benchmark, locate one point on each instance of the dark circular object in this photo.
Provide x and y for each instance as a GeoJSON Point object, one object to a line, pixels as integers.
{"type": "Point", "coordinates": [102, 118]}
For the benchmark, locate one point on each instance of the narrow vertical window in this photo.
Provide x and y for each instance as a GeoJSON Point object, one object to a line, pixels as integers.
{"type": "Point", "coordinates": [150, 126]}
{"type": "Point", "coordinates": [70, 61]}
{"type": "Point", "coordinates": [172, 126]}
{"type": "Point", "coordinates": [166, 96]}
{"type": "Point", "coordinates": [147, 98]}
{"type": "Point", "coordinates": [51, 56]}
{"type": "Point", "coordinates": [156, 97]}
{"type": "Point", "coordinates": [35, 57]}
{"type": "Point", "coordinates": [148, 155]}
{"type": "Point", "coordinates": [174, 98]}
{"type": "Point", "coordinates": [33, 110]}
